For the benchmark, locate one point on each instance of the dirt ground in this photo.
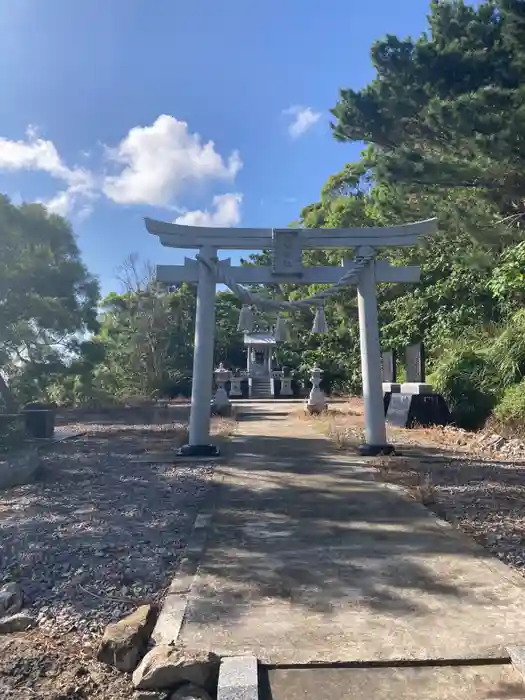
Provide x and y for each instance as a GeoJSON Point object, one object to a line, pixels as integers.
{"type": "Point", "coordinates": [41, 666]}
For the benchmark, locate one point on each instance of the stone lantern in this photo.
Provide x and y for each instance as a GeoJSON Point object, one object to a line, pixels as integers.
{"type": "Point", "coordinates": [221, 401]}
{"type": "Point", "coordinates": [316, 402]}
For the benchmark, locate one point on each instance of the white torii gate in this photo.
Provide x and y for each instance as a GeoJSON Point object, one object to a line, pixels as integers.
{"type": "Point", "coordinates": [287, 246]}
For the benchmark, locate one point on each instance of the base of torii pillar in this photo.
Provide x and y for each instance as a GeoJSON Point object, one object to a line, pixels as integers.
{"type": "Point", "coordinates": [198, 451]}
{"type": "Point", "coordinates": [375, 450]}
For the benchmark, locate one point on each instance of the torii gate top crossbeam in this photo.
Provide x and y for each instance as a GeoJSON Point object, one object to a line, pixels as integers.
{"type": "Point", "coordinates": [180, 236]}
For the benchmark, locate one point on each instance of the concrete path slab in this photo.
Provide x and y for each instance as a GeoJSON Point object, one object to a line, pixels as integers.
{"type": "Point", "coordinates": [309, 559]}
{"type": "Point", "coordinates": [498, 682]}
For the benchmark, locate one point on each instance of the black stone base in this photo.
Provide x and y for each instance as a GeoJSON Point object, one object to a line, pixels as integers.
{"type": "Point", "coordinates": [224, 411]}
{"type": "Point", "coordinates": [424, 410]}
{"type": "Point", "coordinates": [314, 410]}
{"type": "Point", "coordinates": [375, 450]}
{"type": "Point", "coordinates": [198, 451]}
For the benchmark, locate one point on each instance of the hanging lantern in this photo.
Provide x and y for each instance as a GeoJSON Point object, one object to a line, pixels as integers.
{"type": "Point", "coordinates": [245, 319]}
{"type": "Point", "coordinates": [320, 325]}
{"type": "Point", "coordinates": [281, 332]}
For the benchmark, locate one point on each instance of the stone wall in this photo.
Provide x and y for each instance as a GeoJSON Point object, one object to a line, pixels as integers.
{"type": "Point", "coordinates": [130, 415]}
{"type": "Point", "coordinates": [18, 468]}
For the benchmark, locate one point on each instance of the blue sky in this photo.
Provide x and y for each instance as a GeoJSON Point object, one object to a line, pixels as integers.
{"type": "Point", "coordinates": [202, 111]}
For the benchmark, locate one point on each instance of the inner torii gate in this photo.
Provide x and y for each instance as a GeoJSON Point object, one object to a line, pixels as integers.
{"type": "Point", "coordinates": [287, 245]}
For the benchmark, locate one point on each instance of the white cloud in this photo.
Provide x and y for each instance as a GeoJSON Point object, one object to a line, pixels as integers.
{"type": "Point", "coordinates": [226, 212]}
{"type": "Point", "coordinates": [152, 165]}
{"type": "Point", "coordinates": [303, 119]}
{"type": "Point", "coordinates": [161, 160]}
{"type": "Point", "coordinates": [61, 204]}
{"type": "Point", "coordinates": [34, 153]}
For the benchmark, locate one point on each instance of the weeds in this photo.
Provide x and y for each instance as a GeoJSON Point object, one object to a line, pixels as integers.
{"type": "Point", "coordinates": [223, 427]}
{"type": "Point", "coordinates": [419, 485]}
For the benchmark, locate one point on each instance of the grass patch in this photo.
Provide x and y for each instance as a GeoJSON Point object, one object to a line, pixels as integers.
{"type": "Point", "coordinates": [344, 424]}
{"type": "Point", "coordinates": [223, 427]}
{"type": "Point", "coordinates": [399, 471]}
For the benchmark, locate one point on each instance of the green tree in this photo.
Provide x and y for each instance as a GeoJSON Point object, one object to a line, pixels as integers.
{"type": "Point", "coordinates": [147, 333]}
{"type": "Point", "coordinates": [447, 110]}
{"type": "Point", "coordinates": [47, 297]}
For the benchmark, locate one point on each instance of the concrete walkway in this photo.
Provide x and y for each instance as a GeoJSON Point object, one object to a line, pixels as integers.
{"type": "Point", "coordinates": [308, 559]}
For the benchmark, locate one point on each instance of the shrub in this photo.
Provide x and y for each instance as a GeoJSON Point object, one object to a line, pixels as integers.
{"type": "Point", "coordinates": [511, 409]}
{"type": "Point", "coordinates": [469, 383]}
{"type": "Point", "coordinates": [507, 351]}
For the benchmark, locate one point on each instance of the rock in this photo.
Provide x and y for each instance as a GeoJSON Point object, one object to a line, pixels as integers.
{"type": "Point", "coordinates": [149, 695]}
{"type": "Point", "coordinates": [165, 666]}
{"type": "Point", "coordinates": [20, 622]}
{"type": "Point", "coordinates": [124, 642]}
{"type": "Point", "coordinates": [494, 442]}
{"type": "Point", "coordinates": [11, 599]}
{"type": "Point", "coordinates": [513, 447]}
{"type": "Point", "coordinates": [189, 691]}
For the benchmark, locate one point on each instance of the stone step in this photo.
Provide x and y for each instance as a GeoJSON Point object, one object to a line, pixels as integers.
{"type": "Point", "coordinates": [261, 388]}
{"type": "Point", "coordinates": [441, 682]}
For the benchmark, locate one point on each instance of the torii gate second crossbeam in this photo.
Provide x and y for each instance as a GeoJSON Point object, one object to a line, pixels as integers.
{"type": "Point", "coordinates": [287, 246]}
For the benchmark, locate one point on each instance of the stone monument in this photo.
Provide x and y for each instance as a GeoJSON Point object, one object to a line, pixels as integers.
{"type": "Point", "coordinates": [389, 371]}
{"type": "Point", "coordinates": [416, 403]}
{"type": "Point", "coordinates": [415, 371]}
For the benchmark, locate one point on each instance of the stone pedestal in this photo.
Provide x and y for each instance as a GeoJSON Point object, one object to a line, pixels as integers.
{"type": "Point", "coordinates": [416, 405]}
{"type": "Point", "coordinates": [235, 388]}
{"type": "Point", "coordinates": [389, 388]}
{"type": "Point", "coordinates": [414, 388]}
{"type": "Point", "coordinates": [286, 386]}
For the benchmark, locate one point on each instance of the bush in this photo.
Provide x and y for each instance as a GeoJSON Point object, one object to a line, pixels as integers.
{"type": "Point", "coordinates": [511, 409]}
{"type": "Point", "coordinates": [507, 351]}
{"type": "Point", "coordinates": [469, 383]}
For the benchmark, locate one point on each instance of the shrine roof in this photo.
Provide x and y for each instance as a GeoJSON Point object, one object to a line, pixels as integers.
{"type": "Point", "coordinates": [259, 339]}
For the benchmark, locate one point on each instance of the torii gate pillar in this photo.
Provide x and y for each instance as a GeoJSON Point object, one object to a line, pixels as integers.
{"type": "Point", "coordinates": [201, 388]}
{"type": "Point", "coordinates": [375, 429]}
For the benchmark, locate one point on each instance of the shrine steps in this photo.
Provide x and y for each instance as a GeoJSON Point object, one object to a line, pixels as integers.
{"type": "Point", "coordinates": [261, 388]}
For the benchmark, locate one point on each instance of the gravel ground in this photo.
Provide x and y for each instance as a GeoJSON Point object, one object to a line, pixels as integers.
{"type": "Point", "coordinates": [99, 532]}
{"type": "Point", "coordinates": [484, 497]}
{"type": "Point", "coordinates": [453, 475]}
